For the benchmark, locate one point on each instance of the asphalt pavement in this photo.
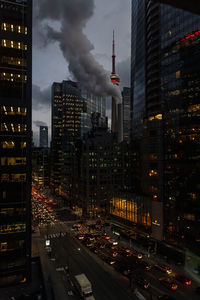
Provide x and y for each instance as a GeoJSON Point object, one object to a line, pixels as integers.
{"type": "Point", "coordinates": [107, 284]}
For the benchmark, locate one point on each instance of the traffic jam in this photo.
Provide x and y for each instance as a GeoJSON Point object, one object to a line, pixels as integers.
{"type": "Point", "coordinates": [42, 209]}
{"type": "Point", "coordinates": [131, 263]}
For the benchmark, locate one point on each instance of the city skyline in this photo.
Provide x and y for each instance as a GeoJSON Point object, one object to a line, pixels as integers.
{"type": "Point", "coordinates": [108, 15]}
{"type": "Point", "coordinates": [108, 205]}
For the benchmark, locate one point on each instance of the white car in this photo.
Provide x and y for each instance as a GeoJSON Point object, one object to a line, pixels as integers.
{"type": "Point", "coordinates": [70, 293]}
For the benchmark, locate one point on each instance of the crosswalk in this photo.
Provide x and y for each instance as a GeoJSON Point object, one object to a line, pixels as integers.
{"type": "Point", "coordinates": [55, 235]}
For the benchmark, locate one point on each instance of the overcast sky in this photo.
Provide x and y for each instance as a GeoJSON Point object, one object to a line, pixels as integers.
{"type": "Point", "coordinates": [49, 64]}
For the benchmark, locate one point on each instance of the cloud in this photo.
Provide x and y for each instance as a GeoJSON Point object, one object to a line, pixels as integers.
{"type": "Point", "coordinates": [39, 123]}
{"type": "Point", "coordinates": [73, 16]}
{"type": "Point", "coordinates": [41, 98]}
{"type": "Point", "coordinates": [123, 69]}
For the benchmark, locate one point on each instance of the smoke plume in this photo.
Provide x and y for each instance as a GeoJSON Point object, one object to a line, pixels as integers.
{"type": "Point", "coordinates": [39, 123]}
{"type": "Point", "coordinates": [75, 46]}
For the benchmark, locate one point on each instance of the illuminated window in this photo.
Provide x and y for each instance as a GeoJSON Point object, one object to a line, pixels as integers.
{"type": "Point", "coordinates": [14, 28]}
{"type": "Point", "coordinates": [12, 127]}
{"type": "Point", "coordinates": [153, 173]}
{"type": "Point", "coordinates": [23, 145]}
{"type": "Point", "coordinates": [7, 145]}
{"type": "Point", "coordinates": [158, 117]}
{"type": "Point", "coordinates": [13, 44]}
{"type": "Point", "coordinates": [13, 110]}
{"type": "Point", "coordinates": [4, 177]}
{"type": "Point", "coordinates": [13, 77]}
{"type": "Point", "coordinates": [3, 246]}
{"type": "Point", "coordinates": [178, 74]}
{"type": "Point", "coordinates": [18, 177]}
{"type": "Point", "coordinates": [14, 61]}
{"type": "Point", "coordinates": [13, 161]}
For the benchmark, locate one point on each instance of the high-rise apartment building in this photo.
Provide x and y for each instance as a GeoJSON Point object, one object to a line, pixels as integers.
{"type": "Point", "coordinates": [165, 49]}
{"type": "Point", "coordinates": [44, 136]}
{"type": "Point", "coordinates": [15, 140]}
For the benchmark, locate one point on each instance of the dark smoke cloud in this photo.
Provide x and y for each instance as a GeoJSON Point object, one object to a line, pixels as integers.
{"type": "Point", "coordinates": [75, 46]}
{"type": "Point", "coordinates": [41, 98]}
{"type": "Point", "coordinates": [39, 123]}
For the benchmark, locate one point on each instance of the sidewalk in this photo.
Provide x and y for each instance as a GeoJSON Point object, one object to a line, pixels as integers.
{"type": "Point", "coordinates": [54, 286]}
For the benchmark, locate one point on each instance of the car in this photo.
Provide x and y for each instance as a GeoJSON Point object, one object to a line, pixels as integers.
{"type": "Point", "coordinates": [163, 268]}
{"type": "Point", "coordinates": [93, 249]}
{"type": "Point", "coordinates": [70, 293]}
{"type": "Point", "coordinates": [136, 254]}
{"type": "Point", "coordinates": [144, 265]}
{"type": "Point", "coordinates": [169, 283]}
{"type": "Point", "coordinates": [114, 253]}
{"type": "Point", "coordinates": [80, 236]}
{"type": "Point", "coordinates": [182, 279]}
{"type": "Point", "coordinates": [141, 281]}
{"type": "Point", "coordinates": [109, 260]}
{"type": "Point", "coordinates": [105, 237]}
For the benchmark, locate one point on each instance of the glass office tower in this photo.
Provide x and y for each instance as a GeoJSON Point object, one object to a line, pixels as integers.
{"type": "Point", "coordinates": [169, 148]}
{"type": "Point", "coordinates": [15, 140]}
{"type": "Point", "coordinates": [44, 136]}
{"type": "Point", "coordinates": [180, 97]}
{"type": "Point", "coordinates": [138, 67]}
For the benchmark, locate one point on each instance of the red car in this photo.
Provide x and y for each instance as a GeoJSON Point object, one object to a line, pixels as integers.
{"type": "Point", "coordinates": [164, 269]}
{"type": "Point", "coordinates": [169, 283]}
{"type": "Point", "coordinates": [182, 279]}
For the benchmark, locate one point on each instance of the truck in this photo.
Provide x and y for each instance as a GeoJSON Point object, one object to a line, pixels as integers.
{"type": "Point", "coordinates": [84, 286]}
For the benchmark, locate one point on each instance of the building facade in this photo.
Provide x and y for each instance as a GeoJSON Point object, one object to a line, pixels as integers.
{"type": "Point", "coordinates": [67, 107]}
{"type": "Point", "coordinates": [104, 171]}
{"type": "Point", "coordinates": [15, 140]}
{"type": "Point", "coordinates": [168, 145]}
{"type": "Point", "coordinates": [44, 136]}
{"type": "Point", "coordinates": [126, 113]}
{"type": "Point", "coordinates": [40, 167]}
{"type": "Point", "coordinates": [72, 108]}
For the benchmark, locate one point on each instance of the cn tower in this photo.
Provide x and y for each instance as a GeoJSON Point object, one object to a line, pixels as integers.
{"type": "Point", "coordinates": [115, 80]}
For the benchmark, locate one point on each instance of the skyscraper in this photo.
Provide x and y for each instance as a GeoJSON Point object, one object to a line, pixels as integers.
{"type": "Point", "coordinates": [126, 113]}
{"type": "Point", "coordinates": [15, 140]}
{"type": "Point", "coordinates": [44, 136]}
{"type": "Point", "coordinates": [72, 108]}
{"type": "Point", "coordinates": [164, 86]}
{"type": "Point", "coordinates": [138, 69]}
{"type": "Point", "coordinates": [67, 107]}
